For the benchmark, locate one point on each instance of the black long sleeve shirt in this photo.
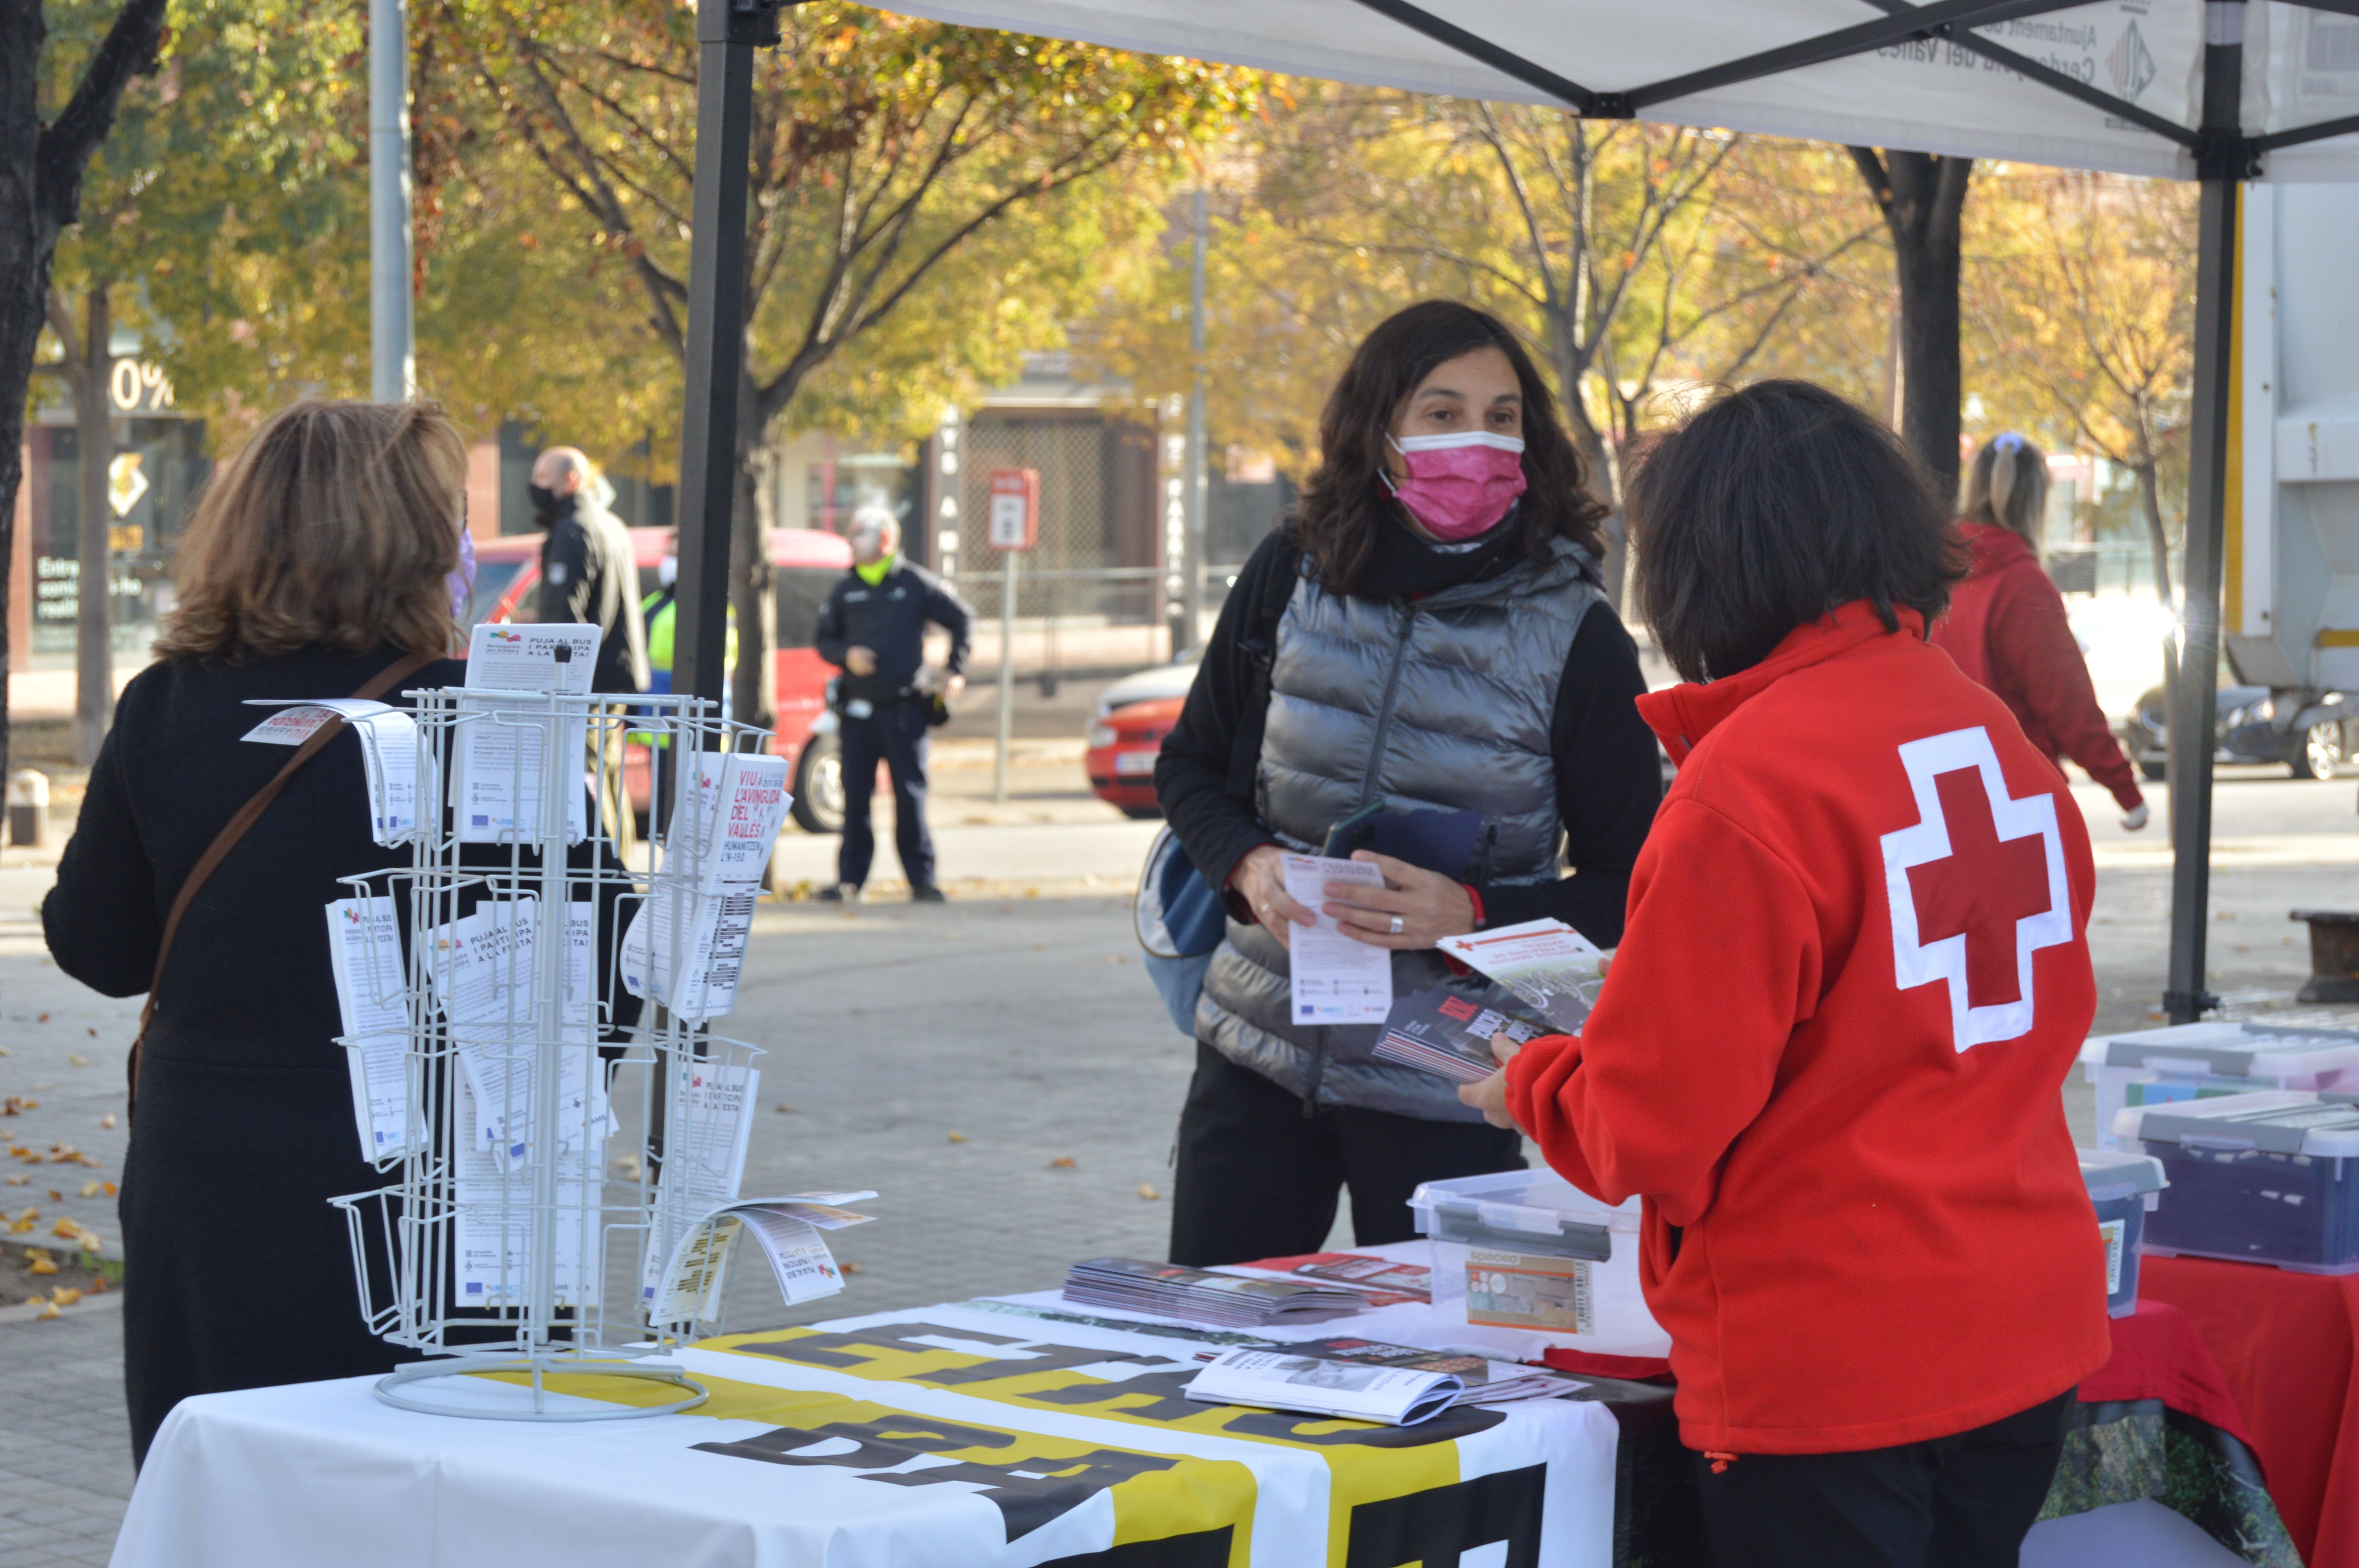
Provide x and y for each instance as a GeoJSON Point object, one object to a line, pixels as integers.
{"type": "Point", "coordinates": [1608, 773]}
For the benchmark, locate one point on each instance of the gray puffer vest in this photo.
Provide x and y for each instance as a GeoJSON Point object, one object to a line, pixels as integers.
{"type": "Point", "coordinates": [1444, 702]}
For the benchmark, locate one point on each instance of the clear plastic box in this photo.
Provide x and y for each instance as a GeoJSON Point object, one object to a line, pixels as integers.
{"type": "Point", "coordinates": [2207, 1061]}
{"type": "Point", "coordinates": [2124, 1188]}
{"type": "Point", "coordinates": [1524, 1253]}
{"type": "Point", "coordinates": [2271, 1177]}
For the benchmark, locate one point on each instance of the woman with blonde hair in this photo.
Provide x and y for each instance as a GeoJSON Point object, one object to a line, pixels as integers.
{"type": "Point", "coordinates": [323, 561]}
{"type": "Point", "coordinates": [2006, 627]}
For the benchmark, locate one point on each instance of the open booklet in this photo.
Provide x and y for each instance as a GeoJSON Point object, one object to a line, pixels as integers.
{"type": "Point", "coordinates": [1446, 1030]}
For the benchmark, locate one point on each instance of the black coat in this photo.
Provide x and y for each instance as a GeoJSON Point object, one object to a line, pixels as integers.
{"type": "Point", "coordinates": [889, 620]}
{"type": "Point", "coordinates": [239, 1274]}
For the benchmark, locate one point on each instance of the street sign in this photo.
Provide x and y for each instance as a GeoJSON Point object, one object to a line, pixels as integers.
{"type": "Point", "coordinates": [1015, 509]}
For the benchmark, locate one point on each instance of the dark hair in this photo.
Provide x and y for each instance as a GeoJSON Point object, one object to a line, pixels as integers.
{"type": "Point", "coordinates": [1772, 506]}
{"type": "Point", "coordinates": [1345, 500]}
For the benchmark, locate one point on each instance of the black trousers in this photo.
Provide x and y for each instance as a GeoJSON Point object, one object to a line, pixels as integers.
{"type": "Point", "coordinates": [896, 736]}
{"type": "Point", "coordinates": [1962, 1502]}
{"type": "Point", "coordinates": [1258, 1179]}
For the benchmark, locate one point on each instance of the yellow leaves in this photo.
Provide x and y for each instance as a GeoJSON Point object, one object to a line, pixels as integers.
{"type": "Point", "coordinates": [107, 1120]}
{"type": "Point", "coordinates": [42, 1265]}
{"type": "Point", "coordinates": [1062, 1163]}
{"type": "Point", "coordinates": [14, 1105]}
{"type": "Point", "coordinates": [1146, 1191]}
{"type": "Point", "coordinates": [958, 1138]}
{"type": "Point", "coordinates": [64, 1296]}
{"type": "Point", "coordinates": [92, 1189]}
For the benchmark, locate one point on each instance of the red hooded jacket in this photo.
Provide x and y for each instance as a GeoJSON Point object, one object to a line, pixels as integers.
{"type": "Point", "coordinates": [2007, 629]}
{"type": "Point", "coordinates": [1830, 1050]}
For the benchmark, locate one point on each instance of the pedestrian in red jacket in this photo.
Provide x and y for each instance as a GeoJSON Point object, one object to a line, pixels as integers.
{"type": "Point", "coordinates": [2006, 626]}
{"type": "Point", "coordinates": [1829, 1052]}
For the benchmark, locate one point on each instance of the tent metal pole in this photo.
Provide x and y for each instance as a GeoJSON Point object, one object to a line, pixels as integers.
{"type": "Point", "coordinates": [2222, 162]}
{"type": "Point", "coordinates": [727, 32]}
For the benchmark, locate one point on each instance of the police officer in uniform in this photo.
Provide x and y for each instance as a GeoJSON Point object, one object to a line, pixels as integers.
{"type": "Point", "coordinates": [874, 629]}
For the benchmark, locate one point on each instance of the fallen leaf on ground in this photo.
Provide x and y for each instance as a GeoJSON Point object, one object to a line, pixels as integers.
{"type": "Point", "coordinates": [849, 1268]}
{"type": "Point", "coordinates": [93, 1035]}
{"type": "Point", "coordinates": [43, 1019]}
{"type": "Point", "coordinates": [40, 1266]}
{"type": "Point", "coordinates": [79, 1061]}
{"type": "Point", "coordinates": [66, 1228]}
{"type": "Point", "coordinates": [109, 1187]}
{"type": "Point", "coordinates": [958, 1137]}
{"type": "Point", "coordinates": [56, 1197]}
{"type": "Point", "coordinates": [91, 1189]}
{"type": "Point", "coordinates": [65, 1296]}
{"type": "Point", "coordinates": [1146, 1191]}
{"type": "Point", "coordinates": [18, 1180]}
{"type": "Point", "coordinates": [98, 1286]}
{"type": "Point", "coordinates": [783, 1109]}
{"type": "Point", "coordinates": [48, 1310]}
{"type": "Point", "coordinates": [1061, 1162]}
{"type": "Point", "coordinates": [107, 1120]}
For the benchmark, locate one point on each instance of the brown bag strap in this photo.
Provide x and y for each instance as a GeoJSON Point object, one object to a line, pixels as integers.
{"type": "Point", "coordinates": [376, 686]}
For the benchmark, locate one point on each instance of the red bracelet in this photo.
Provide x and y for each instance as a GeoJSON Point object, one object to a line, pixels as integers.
{"type": "Point", "coordinates": [1475, 894]}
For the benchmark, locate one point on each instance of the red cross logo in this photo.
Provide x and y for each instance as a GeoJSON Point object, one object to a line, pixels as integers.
{"type": "Point", "coordinates": [1976, 887]}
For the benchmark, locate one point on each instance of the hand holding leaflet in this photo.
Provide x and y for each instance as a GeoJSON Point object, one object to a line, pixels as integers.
{"type": "Point", "coordinates": [1335, 979]}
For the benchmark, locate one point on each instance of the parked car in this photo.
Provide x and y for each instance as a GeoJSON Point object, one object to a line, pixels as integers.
{"type": "Point", "coordinates": [805, 564]}
{"type": "Point", "coordinates": [2312, 738]}
{"type": "Point", "coordinates": [1123, 746]}
{"type": "Point", "coordinates": [1163, 680]}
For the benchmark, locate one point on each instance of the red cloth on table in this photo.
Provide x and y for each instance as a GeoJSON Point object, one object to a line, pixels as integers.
{"type": "Point", "coordinates": [2158, 1354]}
{"type": "Point", "coordinates": [2287, 1346]}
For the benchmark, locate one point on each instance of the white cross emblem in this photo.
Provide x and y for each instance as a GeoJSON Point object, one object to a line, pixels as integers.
{"type": "Point", "coordinates": [1994, 886]}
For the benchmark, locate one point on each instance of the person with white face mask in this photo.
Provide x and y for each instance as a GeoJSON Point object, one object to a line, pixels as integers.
{"type": "Point", "coordinates": [873, 628]}
{"type": "Point", "coordinates": [1428, 632]}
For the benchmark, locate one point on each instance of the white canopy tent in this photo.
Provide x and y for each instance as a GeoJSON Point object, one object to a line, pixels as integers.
{"type": "Point", "coordinates": [2220, 90]}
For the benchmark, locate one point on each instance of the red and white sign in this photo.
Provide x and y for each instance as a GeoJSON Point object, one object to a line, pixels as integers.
{"type": "Point", "coordinates": [1015, 521]}
{"type": "Point", "coordinates": [1977, 886]}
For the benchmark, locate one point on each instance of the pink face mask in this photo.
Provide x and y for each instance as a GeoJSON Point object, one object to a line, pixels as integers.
{"type": "Point", "coordinates": [1461, 485]}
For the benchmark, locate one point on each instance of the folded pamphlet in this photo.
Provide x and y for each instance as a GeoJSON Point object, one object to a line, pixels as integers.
{"type": "Point", "coordinates": [1386, 1280]}
{"type": "Point", "coordinates": [686, 945]}
{"type": "Point", "coordinates": [1546, 962]}
{"type": "Point", "coordinates": [503, 764]}
{"type": "Point", "coordinates": [1226, 1301]}
{"type": "Point", "coordinates": [1316, 1385]}
{"type": "Point", "coordinates": [789, 1231]}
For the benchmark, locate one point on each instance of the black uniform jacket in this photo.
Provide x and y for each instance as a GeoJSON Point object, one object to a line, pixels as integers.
{"type": "Point", "coordinates": [889, 619]}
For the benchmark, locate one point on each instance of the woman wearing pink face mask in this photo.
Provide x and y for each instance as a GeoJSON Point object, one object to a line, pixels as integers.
{"type": "Point", "coordinates": [1426, 632]}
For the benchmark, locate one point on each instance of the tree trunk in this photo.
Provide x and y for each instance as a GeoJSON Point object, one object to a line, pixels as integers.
{"type": "Point", "coordinates": [754, 688]}
{"type": "Point", "coordinates": [2150, 503]}
{"type": "Point", "coordinates": [1596, 453]}
{"type": "Point", "coordinates": [93, 586]}
{"type": "Point", "coordinates": [41, 165]}
{"type": "Point", "coordinates": [1923, 198]}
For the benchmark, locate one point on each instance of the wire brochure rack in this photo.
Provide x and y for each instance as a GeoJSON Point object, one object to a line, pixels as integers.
{"type": "Point", "coordinates": [525, 1225]}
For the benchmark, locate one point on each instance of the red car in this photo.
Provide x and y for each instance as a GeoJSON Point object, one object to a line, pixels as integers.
{"type": "Point", "coordinates": [1123, 746]}
{"type": "Point", "coordinates": [805, 564]}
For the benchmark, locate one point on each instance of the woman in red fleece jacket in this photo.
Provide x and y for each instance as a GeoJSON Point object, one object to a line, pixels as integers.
{"type": "Point", "coordinates": [1830, 1051]}
{"type": "Point", "coordinates": [2006, 626]}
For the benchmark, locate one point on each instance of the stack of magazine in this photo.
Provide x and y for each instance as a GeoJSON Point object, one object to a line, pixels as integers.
{"type": "Point", "coordinates": [1539, 978]}
{"type": "Point", "coordinates": [1364, 1379]}
{"type": "Point", "coordinates": [1223, 1300]}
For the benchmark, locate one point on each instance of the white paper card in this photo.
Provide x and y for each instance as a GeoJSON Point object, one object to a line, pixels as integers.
{"type": "Point", "coordinates": [388, 737]}
{"type": "Point", "coordinates": [1336, 979]}
{"type": "Point", "coordinates": [365, 954]}
{"type": "Point", "coordinates": [691, 1283]}
{"type": "Point", "coordinates": [289, 726]}
{"type": "Point", "coordinates": [492, 1228]}
{"type": "Point", "coordinates": [708, 1124]}
{"type": "Point", "coordinates": [502, 744]}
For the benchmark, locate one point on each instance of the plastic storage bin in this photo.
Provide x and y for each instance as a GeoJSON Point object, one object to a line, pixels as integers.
{"type": "Point", "coordinates": [2124, 1188]}
{"type": "Point", "coordinates": [2271, 1177]}
{"type": "Point", "coordinates": [1523, 1253]}
{"type": "Point", "coordinates": [2205, 1061]}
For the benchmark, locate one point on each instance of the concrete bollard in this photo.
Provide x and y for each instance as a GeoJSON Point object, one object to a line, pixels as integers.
{"type": "Point", "coordinates": [2333, 956]}
{"type": "Point", "coordinates": [29, 808]}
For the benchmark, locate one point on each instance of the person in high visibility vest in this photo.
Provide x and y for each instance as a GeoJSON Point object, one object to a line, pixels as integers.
{"type": "Point", "coordinates": [658, 609]}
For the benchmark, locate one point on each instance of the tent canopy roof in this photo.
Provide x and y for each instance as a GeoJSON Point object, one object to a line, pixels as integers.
{"type": "Point", "coordinates": [2118, 85]}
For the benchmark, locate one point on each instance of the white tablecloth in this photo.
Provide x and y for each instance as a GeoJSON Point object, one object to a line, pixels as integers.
{"type": "Point", "coordinates": [982, 1433]}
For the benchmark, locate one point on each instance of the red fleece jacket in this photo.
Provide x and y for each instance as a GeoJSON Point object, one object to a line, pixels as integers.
{"type": "Point", "coordinates": [2007, 629]}
{"type": "Point", "coordinates": [1830, 1053]}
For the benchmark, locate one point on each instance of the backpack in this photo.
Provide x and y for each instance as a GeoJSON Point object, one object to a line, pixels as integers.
{"type": "Point", "coordinates": [1178, 915]}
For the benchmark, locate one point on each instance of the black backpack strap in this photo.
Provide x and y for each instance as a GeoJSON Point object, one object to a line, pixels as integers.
{"type": "Point", "coordinates": [1259, 645]}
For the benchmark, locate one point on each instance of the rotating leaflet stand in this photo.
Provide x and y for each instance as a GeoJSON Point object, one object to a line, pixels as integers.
{"type": "Point", "coordinates": [525, 1228]}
